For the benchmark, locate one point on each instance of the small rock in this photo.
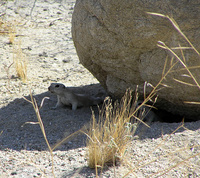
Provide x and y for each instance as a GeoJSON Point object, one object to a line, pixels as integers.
{"type": "Point", "coordinates": [65, 60]}
{"type": "Point", "coordinates": [14, 173]}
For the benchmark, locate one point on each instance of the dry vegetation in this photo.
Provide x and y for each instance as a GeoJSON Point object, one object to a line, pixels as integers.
{"type": "Point", "coordinates": [109, 137]}
{"type": "Point", "coordinates": [9, 29]}
{"type": "Point", "coordinates": [36, 108]}
{"type": "Point", "coordinates": [19, 58]}
{"type": "Point", "coordinates": [110, 134]}
{"type": "Point", "coordinates": [20, 61]}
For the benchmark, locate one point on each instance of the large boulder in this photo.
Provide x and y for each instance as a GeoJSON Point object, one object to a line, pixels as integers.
{"type": "Point", "coordinates": [117, 41]}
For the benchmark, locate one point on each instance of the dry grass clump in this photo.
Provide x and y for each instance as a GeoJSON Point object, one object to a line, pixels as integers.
{"type": "Point", "coordinates": [19, 58]}
{"type": "Point", "coordinates": [8, 28]}
{"type": "Point", "coordinates": [109, 137]}
{"type": "Point", "coordinates": [20, 61]}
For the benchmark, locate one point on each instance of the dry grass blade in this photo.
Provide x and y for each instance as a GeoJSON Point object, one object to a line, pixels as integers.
{"type": "Point", "coordinates": [8, 28]}
{"type": "Point", "coordinates": [33, 123]}
{"type": "Point", "coordinates": [42, 102]}
{"type": "Point", "coordinates": [185, 83]}
{"type": "Point", "coordinates": [164, 46]}
{"type": "Point", "coordinates": [182, 69]}
{"type": "Point", "coordinates": [165, 65]}
{"type": "Point", "coordinates": [181, 47]}
{"type": "Point", "coordinates": [35, 106]}
{"type": "Point", "coordinates": [65, 139]}
{"type": "Point", "coordinates": [191, 102]}
{"type": "Point", "coordinates": [1, 132]}
{"type": "Point", "coordinates": [176, 27]}
{"type": "Point", "coordinates": [156, 88]}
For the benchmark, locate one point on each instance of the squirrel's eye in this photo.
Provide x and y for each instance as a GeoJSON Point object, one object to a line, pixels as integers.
{"type": "Point", "coordinates": [57, 86]}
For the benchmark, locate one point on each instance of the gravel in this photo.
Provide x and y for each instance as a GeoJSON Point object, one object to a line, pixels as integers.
{"type": "Point", "coordinates": [43, 29]}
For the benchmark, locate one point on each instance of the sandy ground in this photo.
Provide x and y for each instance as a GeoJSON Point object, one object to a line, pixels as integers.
{"type": "Point", "coordinates": [44, 30]}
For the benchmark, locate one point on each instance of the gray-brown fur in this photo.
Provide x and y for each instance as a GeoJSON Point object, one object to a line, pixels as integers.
{"type": "Point", "coordinates": [67, 97]}
{"type": "Point", "coordinates": [147, 113]}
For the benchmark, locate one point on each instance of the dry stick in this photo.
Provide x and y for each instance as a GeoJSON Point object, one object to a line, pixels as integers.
{"type": "Point", "coordinates": [181, 47]}
{"type": "Point", "coordinates": [33, 123]}
{"type": "Point", "coordinates": [145, 85]}
{"type": "Point", "coordinates": [96, 166]}
{"type": "Point", "coordinates": [27, 100]}
{"type": "Point", "coordinates": [97, 141]}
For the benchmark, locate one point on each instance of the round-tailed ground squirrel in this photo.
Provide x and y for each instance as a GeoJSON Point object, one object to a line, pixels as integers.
{"type": "Point", "coordinates": [67, 97]}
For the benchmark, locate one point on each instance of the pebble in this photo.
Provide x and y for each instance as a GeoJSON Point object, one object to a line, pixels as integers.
{"type": "Point", "coordinates": [48, 45]}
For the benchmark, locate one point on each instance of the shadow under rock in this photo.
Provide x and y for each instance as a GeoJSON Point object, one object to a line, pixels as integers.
{"type": "Point", "coordinates": [166, 123]}
{"type": "Point", "coordinates": [158, 129]}
{"type": "Point", "coordinates": [20, 133]}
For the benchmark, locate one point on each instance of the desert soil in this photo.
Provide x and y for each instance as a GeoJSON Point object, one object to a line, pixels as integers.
{"type": "Point", "coordinates": [43, 32]}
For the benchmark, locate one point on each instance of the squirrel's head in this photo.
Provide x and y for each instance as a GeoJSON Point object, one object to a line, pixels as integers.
{"type": "Point", "coordinates": [56, 88]}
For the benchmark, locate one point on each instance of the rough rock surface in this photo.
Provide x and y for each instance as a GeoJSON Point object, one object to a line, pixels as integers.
{"type": "Point", "coordinates": [117, 42]}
